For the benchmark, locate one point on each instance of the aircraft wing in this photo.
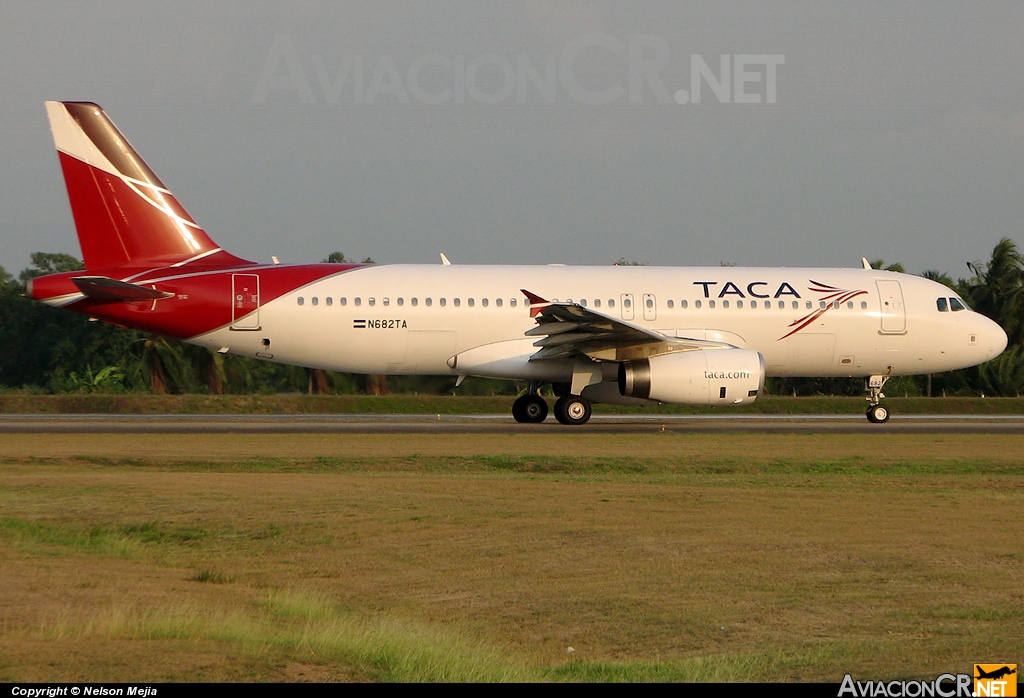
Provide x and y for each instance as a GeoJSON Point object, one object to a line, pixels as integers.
{"type": "Point", "coordinates": [570, 329]}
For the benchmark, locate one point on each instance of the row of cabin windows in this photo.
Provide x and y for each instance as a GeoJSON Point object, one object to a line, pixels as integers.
{"type": "Point", "coordinates": [626, 303]}
{"type": "Point", "coordinates": [763, 304]}
{"type": "Point", "coordinates": [414, 302]}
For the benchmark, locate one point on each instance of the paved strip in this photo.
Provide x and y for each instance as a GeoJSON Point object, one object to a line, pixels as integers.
{"type": "Point", "coordinates": [498, 424]}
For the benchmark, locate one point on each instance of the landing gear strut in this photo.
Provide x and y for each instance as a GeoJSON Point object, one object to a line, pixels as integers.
{"type": "Point", "coordinates": [877, 412]}
{"type": "Point", "coordinates": [530, 408]}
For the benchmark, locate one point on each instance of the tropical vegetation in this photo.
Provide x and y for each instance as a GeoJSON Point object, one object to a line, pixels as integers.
{"type": "Point", "coordinates": [53, 351]}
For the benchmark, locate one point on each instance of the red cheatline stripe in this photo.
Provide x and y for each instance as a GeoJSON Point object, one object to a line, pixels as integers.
{"type": "Point", "coordinates": [806, 320]}
{"type": "Point", "coordinates": [814, 316]}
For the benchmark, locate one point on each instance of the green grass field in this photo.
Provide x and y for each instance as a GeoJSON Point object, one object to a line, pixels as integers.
{"type": "Point", "coordinates": [547, 557]}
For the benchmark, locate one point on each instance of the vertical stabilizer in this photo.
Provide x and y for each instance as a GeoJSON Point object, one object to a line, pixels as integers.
{"type": "Point", "coordinates": [123, 213]}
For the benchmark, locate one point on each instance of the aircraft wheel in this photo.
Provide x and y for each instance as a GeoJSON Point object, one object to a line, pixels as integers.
{"type": "Point", "coordinates": [530, 409]}
{"type": "Point", "coordinates": [572, 410]}
{"type": "Point", "coordinates": [878, 414]}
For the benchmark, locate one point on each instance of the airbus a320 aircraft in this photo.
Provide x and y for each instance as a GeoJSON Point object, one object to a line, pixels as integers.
{"type": "Point", "coordinates": [617, 334]}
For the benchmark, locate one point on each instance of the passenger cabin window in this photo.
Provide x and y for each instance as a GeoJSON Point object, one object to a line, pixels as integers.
{"type": "Point", "coordinates": [955, 304]}
{"type": "Point", "coordinates": [358, 300]}
{"type": "Point", "coordinates": [683, 304]}
{"type": "Point", "coordinates": [671, 304]}
{"type": "Point", "coordinates": [301, 300]}
{"type": "Point", "coordinates": [329, 300]}
{"type": "Point", "coordinates": [343, 300]}
{"type": "Point", "coordinates": [497, 302]}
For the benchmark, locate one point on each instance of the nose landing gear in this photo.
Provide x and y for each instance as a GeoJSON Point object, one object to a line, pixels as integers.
{"type": "Point", "coordinates": [877, 412]}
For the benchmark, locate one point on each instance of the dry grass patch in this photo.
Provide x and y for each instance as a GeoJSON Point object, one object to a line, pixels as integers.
{"type": "Point", "coordinates": [147, 449]}
{"type": "Point", "coordinates": [654, 558]}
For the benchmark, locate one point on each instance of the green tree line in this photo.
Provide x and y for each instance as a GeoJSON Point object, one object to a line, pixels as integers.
{"type": "Point", "coordinates": [50, 350]}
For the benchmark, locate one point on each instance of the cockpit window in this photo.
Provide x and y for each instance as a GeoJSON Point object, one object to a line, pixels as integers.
{"type": "Point", "coordinates": [941, 303]}
{"type": "Point", "coordinates": [956, 305]}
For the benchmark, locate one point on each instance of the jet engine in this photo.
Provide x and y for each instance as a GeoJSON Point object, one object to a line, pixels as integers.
{"type": "Point", "coordinates": [695, 377]}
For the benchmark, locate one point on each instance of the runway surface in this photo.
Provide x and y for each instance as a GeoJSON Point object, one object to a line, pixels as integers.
{"type": "Point", "coordinates": [498, 424]}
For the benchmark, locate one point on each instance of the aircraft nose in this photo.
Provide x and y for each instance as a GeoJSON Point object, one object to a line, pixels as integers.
{"type": "Point", "coordinates": [991, 338]}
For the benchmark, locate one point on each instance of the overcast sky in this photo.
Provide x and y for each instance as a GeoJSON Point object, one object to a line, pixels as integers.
{"type": "Point", "coordinates": [794, 134]}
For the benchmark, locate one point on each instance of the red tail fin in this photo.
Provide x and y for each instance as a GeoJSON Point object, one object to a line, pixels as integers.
{"type": "Point", "coordinates": [123, 213]}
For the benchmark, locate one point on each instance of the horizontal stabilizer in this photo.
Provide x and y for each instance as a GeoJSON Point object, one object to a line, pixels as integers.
{"type": "Point", "coordinates": [106, 289]}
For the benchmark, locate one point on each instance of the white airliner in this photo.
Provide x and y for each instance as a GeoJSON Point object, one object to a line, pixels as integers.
{"type": "Point", "coordinates": [616, 334]}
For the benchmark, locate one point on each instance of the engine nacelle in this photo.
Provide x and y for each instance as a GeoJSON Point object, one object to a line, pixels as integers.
{"type": "Point", "coordinates": [697, 377]}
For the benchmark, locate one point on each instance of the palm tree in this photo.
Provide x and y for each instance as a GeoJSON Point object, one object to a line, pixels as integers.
{"type": "Point", "coordinates": [940, 277]}
{"type": "Point", "coordinates": [1003, 375]}
{"type": "Point", "coordinates": [997, 289]}
{"type": "Point", "coordinates": [207, 367]}
{"type": "Point", "coordinates": [880, 264]}
{"type": "Point", "coordinates": [165, 365]}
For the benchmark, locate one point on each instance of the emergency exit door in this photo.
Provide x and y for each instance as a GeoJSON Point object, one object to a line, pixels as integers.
{"type": "Point", "coordinates": [245, 302]}
{"type": "Point", "coordinates": [894, 313]}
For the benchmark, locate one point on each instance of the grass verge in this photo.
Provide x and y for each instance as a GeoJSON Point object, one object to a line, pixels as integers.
{"type": "Point", "coordinates": [476, 558]}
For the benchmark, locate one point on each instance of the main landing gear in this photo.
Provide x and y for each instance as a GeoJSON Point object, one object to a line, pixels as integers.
{"type": "Point", "coordinates": [532, 409]}
{"type": "Point", "coordinates": [572, 410]}
{"type": "Point", "coordinates": [877, 412]}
